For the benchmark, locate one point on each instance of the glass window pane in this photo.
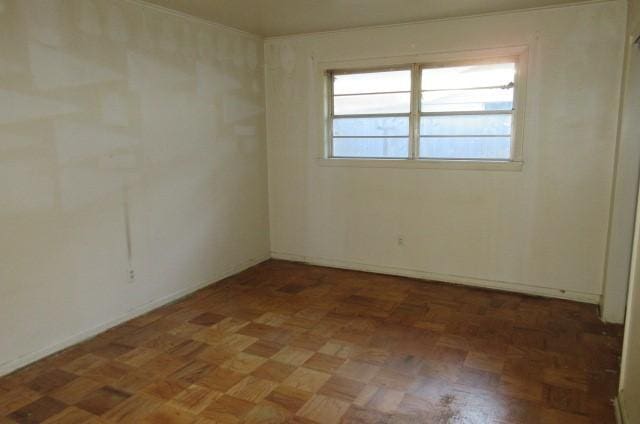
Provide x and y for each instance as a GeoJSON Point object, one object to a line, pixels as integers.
{"type": "Point", "coordinates": [371, 147]}
{"type": "Point", "coordinates": [371, 104]}
{"type": "Point", "coordinates": [466, 125]}
{"type": "Point", "coordinates": [371, 126]}
{"type": "Point", "coordinates": [472, 76]}
{"type": "Point", "coordinates": [372, 82]}
{"type": "Point", "coordinates": [466, 148]}
{"type": "Point", "coordinates": [467, 100]}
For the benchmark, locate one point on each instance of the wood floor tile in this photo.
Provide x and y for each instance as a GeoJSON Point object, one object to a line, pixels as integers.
{"type": "Point", "coordinates": [307, 379]}
{"type": "Point", "coordinates": [339, 349]}
{"type": "Point", "coordinates": [264, 348]}
{"type": "Point", "coordinates": [191, 372]}
{"type": "Point", "coordinates": [243, 363]}
{"type": "Point", "coordinates": [342, 388]}
{"type": "Point", "coordinates": [292, 356]}
{"type": "Point", "coordinates": [84, 363]}
{"type": "Point", "coordinates": [484, 362]}
{"type": "Point", "coordinates": [112, 350]}
{"type": "Point", "coordinates": [163, 365]}
{"type": "Point", "coordinates": [50, 381]}
{"type": "Point", "coordinates": [165, 389]}
{"type": "Point", "coordinates": [365, 395]}
{"type": "Point", "coordinates": [220, 379]}
{"type": "Point", "coordinates": [207, 319]}
{"type": "Point", "coordinates": [570, 379]}
{"type": "Point", "coordinates": [324, 363]}
{"type": "Point", "coordinates": [252, 389]}
{"type": "Point", "coordinates": [552, 416]}
{"type": "Point", "coordinates": [356, 370]}
{"type": "Point", "coordinates": [373, 356]}
{"type": "Point", "coordinates": [235, 342]}
{"type": "Point", "coordinates": [102, 400]}
{"type": "Point", "coordinates": [227, 409]}
{"type": "Point", "coordinates": [108, 372]}
{"type": "Point", "coordinates": [274, 371]}
{"type": "Point", "coordinates": [214, 355]}
{"type": "Point", "coordinates": [267, 413]}
{"type": "Point", "coordinates": [168, 415]}
{"type": "Point", "coordinates": [290, 343]}
{"type": "Point", "coordinates": [521, 388]}
{"type": "Point", "coordinates": [75, 390]}
{"type": "Point", "coordinates": [133, 409]}
{"type": "Point", "coordinates": [15, 398]}
{"type": "Point", "coordinates": [71, 415]}
{"type": "Point", "coordinates": [37, 411]}
{"type": "Point", "coordinates": [272, 319]}
{"type": "Point", "coordinates": [135, 381]}
{"type": "Point", "coordinates": [194, 399]}
{"type": "Point", "coordinates": [289, 398]}
{"type": "Point", "coordinates": [138, 356]}
{"type": "Point", "coordinates": [324, 410]}
{"type": "Point", "coordinates": [392, 379]}
{"type": "Point", "coordinates": [385, 400]}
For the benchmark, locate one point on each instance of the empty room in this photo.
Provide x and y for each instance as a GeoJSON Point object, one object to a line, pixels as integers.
{"type": "Point", "coordinates": [320, 211]}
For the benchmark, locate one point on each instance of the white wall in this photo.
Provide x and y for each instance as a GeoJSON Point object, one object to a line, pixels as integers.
{"type": "Point", "coordinates": [112, 112]}
{"type": "Point", "coordinates": [539, 230]}
{"type": "Point", "coordinates": [627, 171]}
{"type": "Point", "coordinates": [630, 368]}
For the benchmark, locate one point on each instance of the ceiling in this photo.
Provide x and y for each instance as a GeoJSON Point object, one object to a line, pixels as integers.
{"type": "Point", "coordinates": [285, 17]}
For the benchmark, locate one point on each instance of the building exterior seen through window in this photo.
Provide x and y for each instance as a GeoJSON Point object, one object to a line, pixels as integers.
{"type": "Point", "coordinates": [439, 112]}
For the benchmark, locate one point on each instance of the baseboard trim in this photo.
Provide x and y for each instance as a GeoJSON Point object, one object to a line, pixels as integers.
{"type": "Point", "coordinates": [455, 279]}
{"type": "Point", "coordinates": [618, 408]}
{"type": "Point", "coordinates": [24, 360]}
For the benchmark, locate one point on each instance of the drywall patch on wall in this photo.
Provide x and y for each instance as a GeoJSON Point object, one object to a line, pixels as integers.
{"type": "Point", "coordinates": [124, 178]}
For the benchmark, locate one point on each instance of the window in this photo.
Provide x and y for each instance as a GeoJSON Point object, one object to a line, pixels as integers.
{"type": "Point", "coordinates": [371, 114]}
{"type": "Point", "coordinates": [454, 111]}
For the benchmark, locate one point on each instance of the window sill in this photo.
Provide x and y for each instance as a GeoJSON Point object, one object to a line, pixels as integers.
{"type": "Point", "coordinates": [470, 165]}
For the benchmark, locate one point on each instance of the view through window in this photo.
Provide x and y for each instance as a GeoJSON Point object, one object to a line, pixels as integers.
{"type": "Point", "coordinates": [456, 112]}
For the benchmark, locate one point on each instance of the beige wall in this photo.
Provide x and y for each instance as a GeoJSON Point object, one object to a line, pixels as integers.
{"type": "Point", "coordinates": [114, 115]}
{"type": "Point", "coordinates": [539, 230]}
{"type": "Point", "coordinates": [625, 187]}
{"type": "Point", "coordinates": [630, 369]}
{"type": "Point", "coordinates": [634, 16]}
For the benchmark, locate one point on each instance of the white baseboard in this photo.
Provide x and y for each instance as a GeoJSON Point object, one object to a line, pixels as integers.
{"type": "Point", "coordinates": [14, 364]}
{"type": "Point", "coordinates": [456, 279]}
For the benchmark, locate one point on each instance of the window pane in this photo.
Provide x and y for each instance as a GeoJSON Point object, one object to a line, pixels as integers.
{"type": "Point", "coordinates": [473, 76]}
{"type": "Point", "coordinates": [466, 125]}
{"type": "Point", "coordinates": [467, 100]}
{"type": "Point", "coordinates": [371, 104]}
{"type": "Point", "coordinates": [371, 147]}
{"type": "Point", "coordinates": [372, 82]}
{"type": "Point", "coordinates": [466, 148]}
{"type": "Point", "coordinates": [371, 126]}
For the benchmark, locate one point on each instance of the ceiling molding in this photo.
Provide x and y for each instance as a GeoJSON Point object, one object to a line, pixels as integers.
{"type": "Point", "coordinates": [285, 18]}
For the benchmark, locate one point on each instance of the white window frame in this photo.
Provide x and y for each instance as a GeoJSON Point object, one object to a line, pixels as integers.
{"type": "Point", "coordinates": [517, 55]}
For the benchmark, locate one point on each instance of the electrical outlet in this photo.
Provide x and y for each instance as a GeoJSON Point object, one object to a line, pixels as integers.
{"type": "Point", "coordinates": [132, 276]}
{"type": "Point", "coordinates": [400, 241]}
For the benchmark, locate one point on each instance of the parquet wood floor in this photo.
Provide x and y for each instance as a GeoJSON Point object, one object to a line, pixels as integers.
{"type": "Point", "coordinates": [286, 342]}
